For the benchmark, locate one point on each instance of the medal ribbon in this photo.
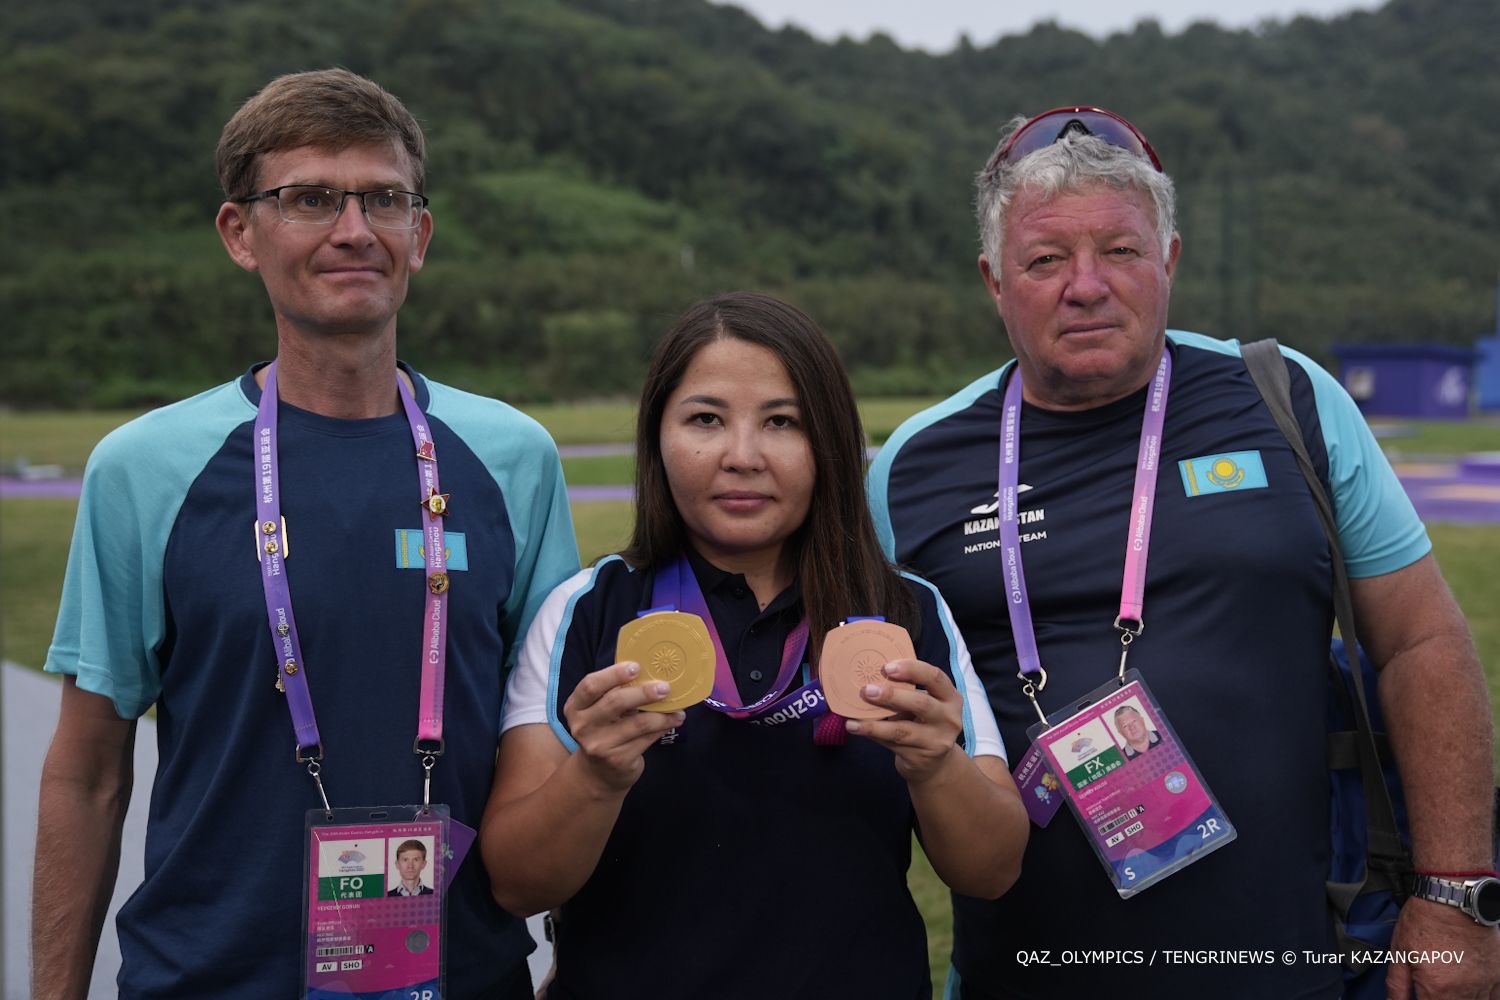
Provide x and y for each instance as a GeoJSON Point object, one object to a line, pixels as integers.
{"type": "Point", "coordinates": [676, 585]}
{"type": "Point", "coordinates": [291, 669]}
{"type": "Point", "coordinates": [1138, 542]}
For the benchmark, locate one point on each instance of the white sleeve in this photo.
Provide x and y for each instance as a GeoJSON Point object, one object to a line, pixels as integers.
{"type": "Point", "coordinates": [986, 740]}
{"type": "Point", "coordinates": [530, 688]}
{"type": "Point", "coordinates": [981, 733]}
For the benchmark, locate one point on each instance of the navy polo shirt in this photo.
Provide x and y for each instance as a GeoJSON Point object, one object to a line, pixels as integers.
{"type": "Point", "coordinates": [747, 861]}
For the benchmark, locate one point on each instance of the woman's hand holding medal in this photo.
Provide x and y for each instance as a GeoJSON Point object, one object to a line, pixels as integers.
{"type": "Point", "coordinates": [923, 732]}
{"type": "Point", "coordinates": [871, 676]}
{"type": "Point", "coordinates": [604, 715]}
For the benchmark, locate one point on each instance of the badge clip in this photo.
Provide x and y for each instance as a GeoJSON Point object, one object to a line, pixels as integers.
{"type": "Point", "coordinates": [1127, 636]}
{"type": "Point", "coordinates": [1031, 690]}
{"type": "Point", "coordinates": [430, 752]}
{"type": "Point", "coordinates": [313, 760]}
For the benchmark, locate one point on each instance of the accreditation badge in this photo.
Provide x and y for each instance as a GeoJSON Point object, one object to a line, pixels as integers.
{"type": "Point", "coordinates": [377, 881]}
{"type": "Point", "coordinates": [1134, 790]}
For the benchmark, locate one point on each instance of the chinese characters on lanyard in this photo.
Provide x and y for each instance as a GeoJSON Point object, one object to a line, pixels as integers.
{"type": "Point", "coordinates": [291, 671]}
{"type": "Point", "coordinates": [1111, 754]}
{"type": "Point", "coordinates": [376, 877]}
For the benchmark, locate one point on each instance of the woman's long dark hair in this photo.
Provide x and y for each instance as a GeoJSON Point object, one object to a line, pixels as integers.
{"type": "Point", "coordinates": [839, 563]}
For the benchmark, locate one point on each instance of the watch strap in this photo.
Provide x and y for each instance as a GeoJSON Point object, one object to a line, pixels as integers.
{"type": "Point", "coordinates": [1461, 895]}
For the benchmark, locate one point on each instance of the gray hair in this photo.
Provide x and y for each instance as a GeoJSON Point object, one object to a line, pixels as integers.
{"type": "Point", "coordinates": [1072, 163]}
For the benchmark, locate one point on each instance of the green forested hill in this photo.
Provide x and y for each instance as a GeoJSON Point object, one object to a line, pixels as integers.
{"type": "Point", "coordinates": [597, 164]}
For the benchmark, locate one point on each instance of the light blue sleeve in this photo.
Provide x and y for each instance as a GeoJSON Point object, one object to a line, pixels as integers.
{"type": "Point", "coordinates": [112, 616]}
{"type": "Point", "coordinates": [520, 455]}
{"type": "Point", "coordinates": [1379, 529]}
{"type": "Point", "coordinates": [877, 486]}
{"type": "Point", "coordinates": [878, 481]}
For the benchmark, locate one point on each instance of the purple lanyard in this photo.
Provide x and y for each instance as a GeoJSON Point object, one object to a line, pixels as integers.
{"type": "Point", "coordinates": [1133, 588]}
{"type": "Point", "coordinates": [291, 675]}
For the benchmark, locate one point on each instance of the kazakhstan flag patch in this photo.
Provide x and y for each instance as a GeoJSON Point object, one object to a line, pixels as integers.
{"type": "Point", "coordinates": [1235, 470]}
{"type": "Point", "coordinates": [410, 554]}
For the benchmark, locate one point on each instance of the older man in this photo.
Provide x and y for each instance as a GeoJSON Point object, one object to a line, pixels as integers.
{"type": "Point", "coordinates": [1122, 425]}
{"type": "Point", "coordinates": [309, 483]}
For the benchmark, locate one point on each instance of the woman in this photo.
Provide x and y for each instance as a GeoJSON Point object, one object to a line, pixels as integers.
{"type": "Point", "coordinates": [721, 853]}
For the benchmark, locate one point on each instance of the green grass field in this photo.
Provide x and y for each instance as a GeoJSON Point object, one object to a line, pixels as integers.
{"type": "Point", "coordinates": [34, 535]}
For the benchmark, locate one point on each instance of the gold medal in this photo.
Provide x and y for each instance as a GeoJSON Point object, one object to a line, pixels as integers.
{"type": "Point", "coordinates": [853, 656]}
{"type": "Point", "coordinates": [670, 646]}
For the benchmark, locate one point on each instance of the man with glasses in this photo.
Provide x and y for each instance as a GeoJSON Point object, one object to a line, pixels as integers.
{"type": "Point", "coordinates": [1114, 443]}
{"type": "Point", "coordinates": [311, 482]}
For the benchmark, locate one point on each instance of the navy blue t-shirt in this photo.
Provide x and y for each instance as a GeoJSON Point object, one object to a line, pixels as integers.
{"type": "Point", "coordinates": [1237, 620]}
{"type": "Point", "coordinates": [163, 605]}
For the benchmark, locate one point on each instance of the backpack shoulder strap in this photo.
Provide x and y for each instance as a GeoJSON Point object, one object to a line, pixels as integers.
{"type": "Point", "coordinates": [1268, 371]}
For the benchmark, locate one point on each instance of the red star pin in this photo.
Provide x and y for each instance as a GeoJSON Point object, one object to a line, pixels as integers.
{"type": "Point", "coordinates": [437, 503]}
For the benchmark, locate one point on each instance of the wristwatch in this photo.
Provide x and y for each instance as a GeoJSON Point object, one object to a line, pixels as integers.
{"type": "Point", "coordinates": [1478, 897]}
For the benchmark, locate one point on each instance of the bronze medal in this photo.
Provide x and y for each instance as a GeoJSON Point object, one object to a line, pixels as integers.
{"type": "Point", "coordinates": [853, 656]}
{"type": "Point", "coordinates": [670, 646]}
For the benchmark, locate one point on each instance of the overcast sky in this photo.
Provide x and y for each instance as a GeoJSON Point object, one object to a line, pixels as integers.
{"type": "Point", "coordinates": [935, 25]}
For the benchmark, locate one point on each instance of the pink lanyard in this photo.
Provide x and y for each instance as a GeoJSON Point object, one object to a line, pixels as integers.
{"type": "Point", "coordinates": [1133, 588]}
{"type": "Point", "coordinates": [291, 669]}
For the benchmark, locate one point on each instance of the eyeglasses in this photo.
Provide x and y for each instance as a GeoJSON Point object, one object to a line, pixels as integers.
{"type": "Point", "coordinates": [320, 206]}
{"type": "Point", "coordinates": [1050, 126]}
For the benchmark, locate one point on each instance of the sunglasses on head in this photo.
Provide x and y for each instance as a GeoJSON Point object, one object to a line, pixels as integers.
{"type": "Point", "coordinates": [1050, 126]}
